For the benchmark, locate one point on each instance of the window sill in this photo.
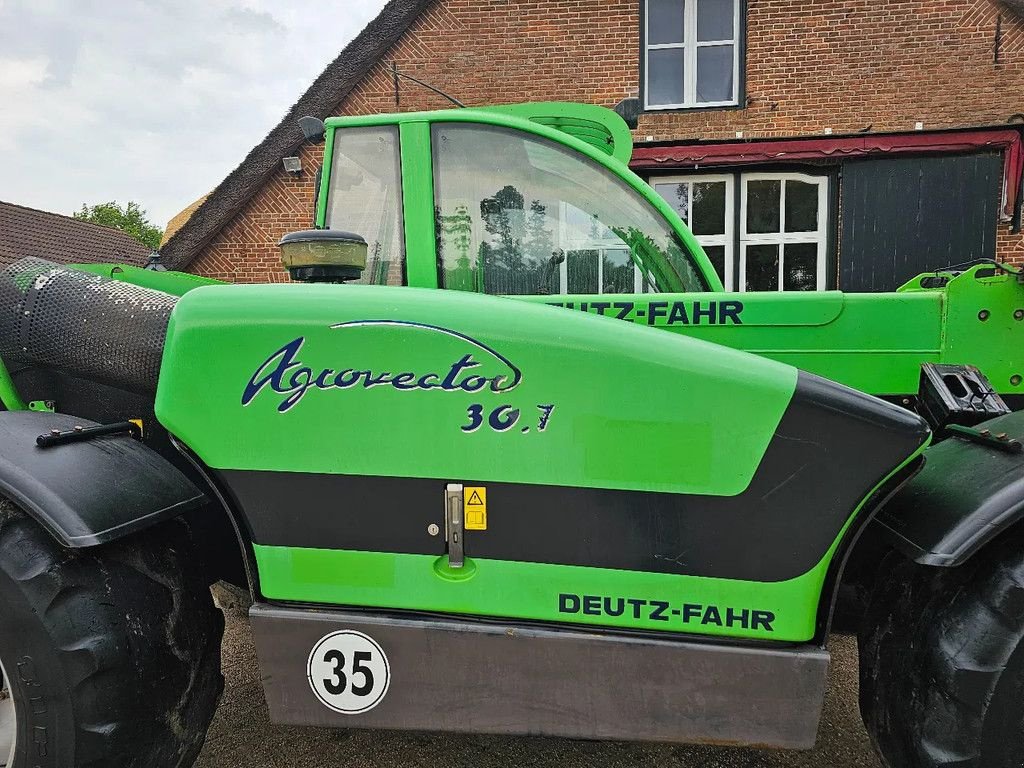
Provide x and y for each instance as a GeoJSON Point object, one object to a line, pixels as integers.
{"type": "Point", "coordinates": [725, 105]}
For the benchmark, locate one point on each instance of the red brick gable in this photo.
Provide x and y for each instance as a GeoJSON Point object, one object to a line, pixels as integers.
{"type": "Point", "coordinates": [834, 65]}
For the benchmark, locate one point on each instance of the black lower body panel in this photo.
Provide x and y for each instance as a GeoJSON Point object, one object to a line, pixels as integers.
{"type": "Point", "coordinates": [456, 675]}
{"type": "Point", "coordinates": [832, 447]}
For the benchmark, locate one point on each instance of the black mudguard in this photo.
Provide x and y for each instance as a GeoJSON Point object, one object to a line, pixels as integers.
{"type": "Point", "coordinates": [90, 492]}
{"type": "Point", "coordinates": [966, 495]}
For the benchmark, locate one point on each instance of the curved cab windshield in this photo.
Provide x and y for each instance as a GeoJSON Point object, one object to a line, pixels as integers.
{"type": "Point", "coordinates": [518, 214]}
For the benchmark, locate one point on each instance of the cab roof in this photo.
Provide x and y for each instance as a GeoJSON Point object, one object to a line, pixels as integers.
{"type": "Point", "coordinates": [598, 126]}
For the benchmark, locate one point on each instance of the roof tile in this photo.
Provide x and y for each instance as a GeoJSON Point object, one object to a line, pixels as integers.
{"type": "Point", "coordinates": [66, 240]}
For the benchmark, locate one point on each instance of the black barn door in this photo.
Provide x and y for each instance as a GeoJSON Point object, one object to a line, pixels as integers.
{"type": "Point", "coordinates": [904, 216]}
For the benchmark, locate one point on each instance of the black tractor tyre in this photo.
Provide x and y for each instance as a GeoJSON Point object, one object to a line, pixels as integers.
{"type": "Point", "coordinates": [942, 662]}
{"type": "Point", "coordinates": [112, 653]}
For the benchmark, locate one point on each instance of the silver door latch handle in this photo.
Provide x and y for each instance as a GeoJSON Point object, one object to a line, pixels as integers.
{"type": "Point", "coordinates": [454, 525]}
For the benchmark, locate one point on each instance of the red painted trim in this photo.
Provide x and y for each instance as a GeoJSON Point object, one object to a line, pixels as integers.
{"type": "Point", "coordinates": [838, 148]}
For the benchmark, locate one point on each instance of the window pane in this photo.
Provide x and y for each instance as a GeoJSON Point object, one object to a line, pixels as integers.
{"type": "Point", "coordinates": [708, 208]}
{"type": "Point", "coordinates": [455, 242]}
{"type": "Point", "coordinates": [665, 76]}
{"type": "Point", "coordinates": [717, 255]}
{"type": "Point", "coordinates": [678, 196]}
{"type": "Point", "coordinates": [365, 197]}
{"type": "Point", "coordinates": [619, 273]}
{"type": "Point", "coordinates": [506, 201]}
{"type": "Point", "coordinates": [762, 268]}
{"type": "Point", "coordinates": [801, 207]}
{"type": "Point", "coordinates": [581, 272]}
{"type": "Point", "coordinates": [508, 264]}
{"type": "Point", "coordinates": [714, 73]}
{"type": "Point", "coordinates": [800, 267]}
{"type": "Point", "coordinates": [664, 21]}
{"type": "Point", "coordinates": [763, 201]}
{"type": "Point", "coordinates": [714, 19]}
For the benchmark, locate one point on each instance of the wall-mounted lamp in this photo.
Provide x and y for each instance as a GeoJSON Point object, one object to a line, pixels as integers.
{"type": "Point", "coordinates": [292, 164]}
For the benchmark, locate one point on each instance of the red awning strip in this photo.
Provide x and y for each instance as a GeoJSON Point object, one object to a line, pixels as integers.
{"type": "Point", "coordinates": [829, 148]}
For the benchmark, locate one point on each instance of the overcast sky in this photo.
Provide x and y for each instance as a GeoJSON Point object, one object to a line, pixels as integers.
{"type": "Point", "coordinates": [151, 100]}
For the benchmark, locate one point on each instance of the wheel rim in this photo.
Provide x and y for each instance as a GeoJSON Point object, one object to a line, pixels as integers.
{"type": "Point", "coordinates": [8, 720]}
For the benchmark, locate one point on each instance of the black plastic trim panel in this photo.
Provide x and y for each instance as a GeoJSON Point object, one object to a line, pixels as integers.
{"type": "Point", "coordinates": [91, 492]}
{"type": "Point", "coordinates": [832, 447]}
{"type": "Point", "coordinates": [966, 495]}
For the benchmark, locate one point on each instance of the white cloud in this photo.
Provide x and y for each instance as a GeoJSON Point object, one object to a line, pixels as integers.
{"type": "Point", "coordinates": [154, 102]}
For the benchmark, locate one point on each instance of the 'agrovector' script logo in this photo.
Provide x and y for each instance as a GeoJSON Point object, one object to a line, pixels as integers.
{"type": "Point", "coordinates": [286, 375]}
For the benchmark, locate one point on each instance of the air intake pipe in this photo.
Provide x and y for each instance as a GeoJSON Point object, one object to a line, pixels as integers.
{"type": "Point", "coordinates": [82, 324]}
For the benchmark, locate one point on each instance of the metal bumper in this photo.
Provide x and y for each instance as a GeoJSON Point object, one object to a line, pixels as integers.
{"type": "Point", "coordinates": [458, 675]}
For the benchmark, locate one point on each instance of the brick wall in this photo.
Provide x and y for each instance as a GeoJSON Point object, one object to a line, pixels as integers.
{"type": "Point", "coordinates": [839, 64]}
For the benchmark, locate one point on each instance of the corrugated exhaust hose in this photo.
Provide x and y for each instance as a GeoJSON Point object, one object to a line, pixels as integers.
{"type": "Point", "coordinates": [86, 325]}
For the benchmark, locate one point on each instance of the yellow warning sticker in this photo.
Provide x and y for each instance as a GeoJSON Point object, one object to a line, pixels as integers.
{"type": "Point", "coordinates": [475, 508]}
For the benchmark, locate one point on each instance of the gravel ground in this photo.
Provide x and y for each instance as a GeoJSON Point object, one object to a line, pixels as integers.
{"type": "Point", "coordinates": [241, 734]}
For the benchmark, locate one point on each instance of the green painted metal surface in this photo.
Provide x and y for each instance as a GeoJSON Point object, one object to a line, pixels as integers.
{"type": "Point", "coordinates": [601, 128]}
{"type": "Point", "coordinates": [983, 325]}
{"type": "Point", "coordinates": [174, 283]}
{"type": "Point", "coordinates": [9, 395]}
{"type": "Point", "coordinates": [418, 204]}
{"type": "Point", "coordinates": [634, 409]}
{"type": "Point", "coordinates": [872, 342]}
{"type": "Point", "coordinates": [630, 408]}
{"type": "Point", "coordinates": [530, 590]}
{"type": "Point", "coordinates": [325, 179]}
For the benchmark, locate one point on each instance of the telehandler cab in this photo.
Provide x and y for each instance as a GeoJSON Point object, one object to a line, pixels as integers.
{"type": "Point", "coordinates": [464, 512]}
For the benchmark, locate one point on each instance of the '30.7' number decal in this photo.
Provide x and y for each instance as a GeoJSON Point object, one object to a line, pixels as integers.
{"type": "Point", "coordinates": [503, 418]}
{"type": "Point", "coordinates": [349, 672]}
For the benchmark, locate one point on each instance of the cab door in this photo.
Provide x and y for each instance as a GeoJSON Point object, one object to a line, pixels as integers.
{"type": "Point", "coordinates": [521, 214]}
{"type": "Point", "coordinates": [365, 196]}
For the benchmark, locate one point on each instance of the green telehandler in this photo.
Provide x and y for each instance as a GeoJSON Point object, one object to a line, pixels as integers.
{"type": "Point", "coordinates": [613, 501]}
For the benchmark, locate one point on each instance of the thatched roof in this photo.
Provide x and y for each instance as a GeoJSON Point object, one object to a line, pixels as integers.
{"type": "Point", "coordinates": [322, 98]}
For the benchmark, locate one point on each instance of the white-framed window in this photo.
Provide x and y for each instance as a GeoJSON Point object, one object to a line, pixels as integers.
{"type": "Point", "coordinates": [707, 205]}
{"type": "Point", "coordinates": [779, 241]}
{"type": "Point", "coordinates": [691, 53]}
{"type": "Point", "coordinates": [595, 259]}
{"type": "Point", "coordinates": [783, 232]}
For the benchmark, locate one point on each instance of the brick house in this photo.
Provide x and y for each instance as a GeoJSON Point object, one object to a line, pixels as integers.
{"type": "Point", "coordinates": [810, 145]}
{"type": "Point", "coordinates": [66, 240]}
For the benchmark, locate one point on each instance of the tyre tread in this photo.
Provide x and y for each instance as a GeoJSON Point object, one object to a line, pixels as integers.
{"type": "Point", "coordinates": [933, 649]}
{"type": "Point", "coordinates": [118, 614]}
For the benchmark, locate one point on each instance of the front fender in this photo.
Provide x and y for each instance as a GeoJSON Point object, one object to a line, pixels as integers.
{"type": "Point", "coordinates": [966, 495]}
{"type": "Point", "coordinates": [90, 492]}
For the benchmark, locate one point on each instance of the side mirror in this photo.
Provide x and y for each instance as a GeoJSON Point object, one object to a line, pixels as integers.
{"type": "Point", "coordinates": [323, 255]}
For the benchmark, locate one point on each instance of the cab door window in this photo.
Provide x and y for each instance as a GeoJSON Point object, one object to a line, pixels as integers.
{"type": "Point", "coordinates": [519, 214]}
{"type": "Point", "coordinates": [365, 198]}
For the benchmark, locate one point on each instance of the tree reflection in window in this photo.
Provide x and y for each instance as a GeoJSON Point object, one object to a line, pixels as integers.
{"type": "Point", "coordinates": [514, 257]}
{"type": "Point", "coordinates": [517, 214]}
